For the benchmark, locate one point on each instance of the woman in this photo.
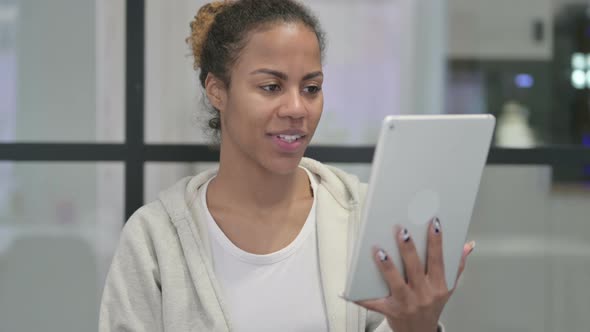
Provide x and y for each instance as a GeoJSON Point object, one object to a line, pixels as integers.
{"type": "Point", "coordinates": [261, 243]}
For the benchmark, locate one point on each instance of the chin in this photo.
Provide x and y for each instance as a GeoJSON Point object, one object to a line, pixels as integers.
{"type": "Point", "coordinates": [283, 165]}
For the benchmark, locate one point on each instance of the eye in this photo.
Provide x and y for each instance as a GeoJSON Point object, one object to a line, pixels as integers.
{"type": "Point", "coordinates": [271, 87]}
{"type": "Point", "coordinates": [312, 89]}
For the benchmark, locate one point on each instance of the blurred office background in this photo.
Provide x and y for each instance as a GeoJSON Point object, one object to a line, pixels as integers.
{"type": "Point", "coordinates": [100, 110]}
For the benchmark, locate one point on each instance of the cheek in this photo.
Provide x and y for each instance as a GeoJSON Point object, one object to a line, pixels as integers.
{"type": "Point", "coordinates": [238, 104]}
{"type": "Point", "coordinates": [245, 113]}
{"type": "Point", "coordinates": [316, 110]}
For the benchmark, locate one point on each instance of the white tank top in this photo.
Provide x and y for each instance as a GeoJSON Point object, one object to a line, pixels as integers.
{"type": "Point", "coordinates": [280, 291]}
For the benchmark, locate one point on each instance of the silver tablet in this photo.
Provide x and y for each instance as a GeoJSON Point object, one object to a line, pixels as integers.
{"type": "Point", "coordinates": [424, 166]}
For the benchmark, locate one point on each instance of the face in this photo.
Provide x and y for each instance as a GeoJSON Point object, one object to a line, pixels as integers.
{"type": "Point", "coordinates": [274, 103]}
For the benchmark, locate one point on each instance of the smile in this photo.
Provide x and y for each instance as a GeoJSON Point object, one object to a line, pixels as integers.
{"type": "Point", "coordinates": [289, 138]}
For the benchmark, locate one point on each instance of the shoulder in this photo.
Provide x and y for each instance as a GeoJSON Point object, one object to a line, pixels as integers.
{"type": "Point", "coordinates": [151, 217]}
{"type": "Point", "coordinates": [148, 226]}
{"type": "Point", "coordinates": [154, 226]}
{"type": "Point", "coordinates": [345, 187]}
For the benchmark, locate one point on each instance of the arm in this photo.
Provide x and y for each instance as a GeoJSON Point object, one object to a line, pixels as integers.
{"type": "Point", "coordinates": [132, 295]}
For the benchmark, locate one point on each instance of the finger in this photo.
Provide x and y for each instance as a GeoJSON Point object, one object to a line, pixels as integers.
{"type": "Point", "coordinates": [379, 305]}
{"type": "Point", "coordinates": [467, 250]}
{"type": "Point", "coordinates": [434, 261]}
{"type": "Point", "coordinates": [412, 265]}
{"type": "Point", "coordinates": [392, 276]}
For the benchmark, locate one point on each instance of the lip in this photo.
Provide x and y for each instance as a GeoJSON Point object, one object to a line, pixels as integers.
{"type": "Point", "coordinates": [289, 132]}
{"type": "Point", "coordinates": [286, 147]}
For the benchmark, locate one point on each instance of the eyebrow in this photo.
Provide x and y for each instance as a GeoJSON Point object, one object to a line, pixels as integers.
{"type": "Point", "coordinates": [284, 76]}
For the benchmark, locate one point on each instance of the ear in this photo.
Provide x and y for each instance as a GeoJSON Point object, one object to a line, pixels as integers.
{"type": "Point", "coordinates": [216, 92]}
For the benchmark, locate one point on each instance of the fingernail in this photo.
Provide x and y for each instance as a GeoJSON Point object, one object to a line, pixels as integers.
{"type": "Point", "coordinates": [471, 246]}
{"type": "Point", "coordinates": [436, 225]}
{"type": "Point", "coordinates": [405, 235]}
{"type": "Point", "coordinates": [381, 255]}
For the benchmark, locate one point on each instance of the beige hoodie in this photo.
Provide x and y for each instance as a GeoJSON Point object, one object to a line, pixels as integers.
{"type": "Point", "coordinates": [162, 279]}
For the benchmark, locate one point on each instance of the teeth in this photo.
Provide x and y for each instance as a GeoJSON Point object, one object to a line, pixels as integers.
{"type": "Point", "coordinates": [289, 138]}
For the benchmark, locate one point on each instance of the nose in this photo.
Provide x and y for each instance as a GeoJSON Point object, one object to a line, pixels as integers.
{"type": "Point", "coordinates": [293, 105]}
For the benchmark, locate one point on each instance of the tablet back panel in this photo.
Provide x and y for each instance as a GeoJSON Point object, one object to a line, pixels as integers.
{"type": "Point", "coordinates": [424, 166]}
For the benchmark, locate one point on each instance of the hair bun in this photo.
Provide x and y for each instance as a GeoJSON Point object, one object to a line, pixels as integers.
{"type": "Point", "coordinates": [201, 25]}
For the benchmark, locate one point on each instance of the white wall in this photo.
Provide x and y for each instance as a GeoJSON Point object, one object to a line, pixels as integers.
{"type": "Point", "coordinates": [388, 59]}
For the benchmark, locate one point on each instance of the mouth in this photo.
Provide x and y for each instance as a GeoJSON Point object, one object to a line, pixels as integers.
{"type": "Point", "coordinates": [289, 141]}
{"type": "Point", "coordinates": [289, 138]}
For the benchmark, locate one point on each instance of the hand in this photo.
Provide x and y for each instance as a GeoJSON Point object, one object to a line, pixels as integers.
{"type": "Point", "coordinates": [415, 305]}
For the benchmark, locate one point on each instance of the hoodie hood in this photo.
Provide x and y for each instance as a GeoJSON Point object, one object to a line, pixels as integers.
{"type": "Point", "coordinates": [342, 186]}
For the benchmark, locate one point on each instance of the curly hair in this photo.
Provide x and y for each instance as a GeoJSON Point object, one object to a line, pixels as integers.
{"type": "Point", "coordinates": [219, 32]}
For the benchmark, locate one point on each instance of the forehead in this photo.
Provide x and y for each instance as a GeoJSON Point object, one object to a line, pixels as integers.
{"type": "Point", "coordinates": [281, 44]}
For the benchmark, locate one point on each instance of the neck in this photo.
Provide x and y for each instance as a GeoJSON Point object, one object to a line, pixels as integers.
{"type": "Point", "coordinates": [245, 184]}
